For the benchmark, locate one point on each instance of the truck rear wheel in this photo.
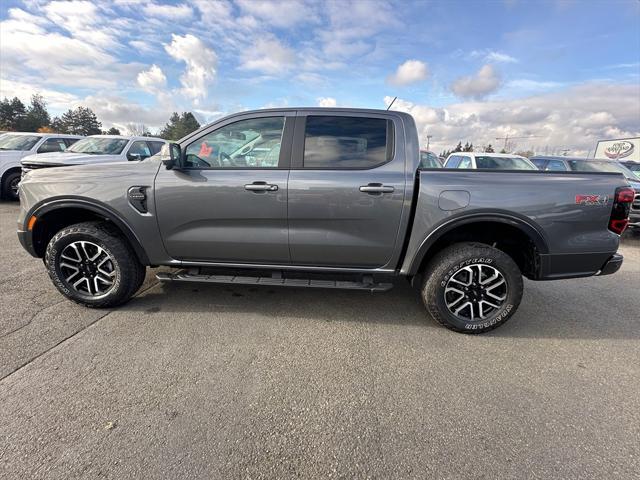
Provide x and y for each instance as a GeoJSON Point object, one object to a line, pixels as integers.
{"type": "Point", "coordinates": [472, 287]}
{"type": "Point", "coordinates": [93, 265]}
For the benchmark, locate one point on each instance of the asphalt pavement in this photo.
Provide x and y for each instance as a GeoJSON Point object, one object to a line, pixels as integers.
{"type": "Point", "coordinates": [225, 382]}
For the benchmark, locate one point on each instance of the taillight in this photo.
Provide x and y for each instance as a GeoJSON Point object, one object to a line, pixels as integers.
{"type": "Point", "coordinates": [621, 206]}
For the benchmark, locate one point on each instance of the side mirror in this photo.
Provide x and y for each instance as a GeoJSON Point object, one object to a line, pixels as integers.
{"type": "Point", "coordinates": [170, 155]}
{"type": "Point", "coordinates": [134, 157]}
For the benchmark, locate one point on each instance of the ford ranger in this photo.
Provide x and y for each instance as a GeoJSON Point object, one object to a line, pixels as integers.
{"type": "Point", "coordinates": [321, 198]}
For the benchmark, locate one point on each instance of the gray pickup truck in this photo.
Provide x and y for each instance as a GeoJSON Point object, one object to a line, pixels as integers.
{"type": "Point", "coordinates": [325, 198]}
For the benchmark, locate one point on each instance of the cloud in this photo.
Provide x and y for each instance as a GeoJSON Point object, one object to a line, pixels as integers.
{"type": "Point", "coordinates": [152, 80]}
{"type": "Point", "coordinates": [485, 81]}
{"type": "Point", "coordinates": [326, 102]}
{"type": "Point", "coordinates": [575, 117]}
{"type": "Point", "coordinates": [493, 56]}
{"type": "Point", "coordinates": [169, 12]}
{"type": "Point", "coordinates": [411, 71]}
{"type": "Point", "coordinates": [55, 99]}
{"type": "Point", "coordinates": [200, 64]}
{"type": "Point", "coordinates": [268, 56]}
{"type": "Point", "coordinates": [280, 14]}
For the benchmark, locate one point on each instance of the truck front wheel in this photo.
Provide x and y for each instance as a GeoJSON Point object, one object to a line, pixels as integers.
{"type": "Point", "coordinates": [472, 287]}
{"type": "Point", "coordinates": [93, 265]}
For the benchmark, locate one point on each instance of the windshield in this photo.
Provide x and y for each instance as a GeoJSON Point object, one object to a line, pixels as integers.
{"type": "Point", "coordinates": [600, 166]}
{"type": "Point", "coordinates": [503, 163]}
{"type": "Point", "coordinates": [429, 160]}
{"type": "Point", "coordinates": [99, 146]}
{"type": "Point", "coordinates": [17, 142]}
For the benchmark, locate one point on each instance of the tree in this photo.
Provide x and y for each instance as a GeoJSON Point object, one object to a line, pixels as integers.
{"type": "Point", "coordinates": [37, 115]}
{"type": "Point", "coordinates": [138, 130]}
{"type": "Point", "coordinates": [179, 125]}
{"type": "Point", "coordinates": [111, 131]}
{"type": "Point", "coordinates": [458, 147]}
{"type": "Point", "coordinates": [489, 149]}
{"type": "Point", "coordinates": [81, 121]}
{"type": "Point", "coordinates": [503, 151]}
{"type": "Point", "coordinates": [468, 147]}
{"type": "Point", "coordinates": [12, 114]}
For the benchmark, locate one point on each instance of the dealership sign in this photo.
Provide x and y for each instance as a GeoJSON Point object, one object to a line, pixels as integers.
{"type": "Point", "coordinates": [622, 149]}
{"type": "Point", "coordinates": [619, 150]}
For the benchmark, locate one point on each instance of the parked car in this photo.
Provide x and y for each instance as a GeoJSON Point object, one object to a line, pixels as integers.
{"type": "Point", "coordinates": [633, 166]}
{"type": "Point", "coordinates": [574, 164]}
{"type": "Point", "coordinates": [492, 161]}
{"type": "Point", "coordinates": [429, 160]}
{"type": "Point", "coordinates": [97, 149]}
{"type": "Point", "coordinates": [338, 201]}
{"type": "Point", "coordinates": [16, 145]}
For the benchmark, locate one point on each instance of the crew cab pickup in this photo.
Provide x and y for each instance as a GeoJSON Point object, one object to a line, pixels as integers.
{"type": "Point", "coordinates": [321, 198]}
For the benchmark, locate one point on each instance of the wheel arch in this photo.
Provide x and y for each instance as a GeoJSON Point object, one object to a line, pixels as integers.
{"type": "Point", "coordinates": [478, 227]}
{"type": "Point", "coordinates": [57, 214]}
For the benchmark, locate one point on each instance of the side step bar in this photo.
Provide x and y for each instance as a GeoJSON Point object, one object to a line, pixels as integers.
{"type": "Point", "coordinates": [275, 280]}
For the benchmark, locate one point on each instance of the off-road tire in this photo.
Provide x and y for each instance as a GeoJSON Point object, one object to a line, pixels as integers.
{"type": "Point", "coordinates": [129, 272]}
{"type": "Point", "coordinates": [5, 188]}
{"type": "Point", "coordinates": [449, 261]}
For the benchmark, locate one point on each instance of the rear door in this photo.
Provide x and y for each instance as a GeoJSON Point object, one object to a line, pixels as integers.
{"type": "Point", "coordinates": [346, 189]}
{"type": "Point", "coordinates": [228, 201]}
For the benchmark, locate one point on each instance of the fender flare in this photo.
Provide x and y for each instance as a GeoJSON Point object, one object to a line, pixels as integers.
{"type": "Point", "coordinates": [99, 209]}
{"type": "Point", "coordinates": [521, 224]}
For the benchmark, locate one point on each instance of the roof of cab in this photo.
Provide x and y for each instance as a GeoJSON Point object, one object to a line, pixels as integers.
{"type": "Point", "coordinates": [129, 137]}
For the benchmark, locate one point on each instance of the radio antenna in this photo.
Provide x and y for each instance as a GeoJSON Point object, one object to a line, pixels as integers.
{"type": "Point", "coordinates": [392, 101]}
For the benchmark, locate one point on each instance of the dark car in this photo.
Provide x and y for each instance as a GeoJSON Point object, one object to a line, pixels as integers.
{"type": "Point", "coordinates": [633, 166]}
{"type": "Point", "coordinates": [560, 164]}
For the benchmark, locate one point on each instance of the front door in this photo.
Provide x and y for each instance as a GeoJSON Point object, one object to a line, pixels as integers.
{"type": "Point", "coordinates": [227, 203]}
{"type": "Point", "coordinates": [346, 191]}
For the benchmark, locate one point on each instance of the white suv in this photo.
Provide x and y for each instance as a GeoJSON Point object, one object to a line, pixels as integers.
{"type": "Point", "coordinates": [16, 145]}
{"type": "Point", "coordinates": [97, 149]}
{"type": "Point", "coordinates": [492, 161]}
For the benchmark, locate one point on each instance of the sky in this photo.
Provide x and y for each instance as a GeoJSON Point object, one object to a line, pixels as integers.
{"type": "Point", "coordinates": [560, 73]}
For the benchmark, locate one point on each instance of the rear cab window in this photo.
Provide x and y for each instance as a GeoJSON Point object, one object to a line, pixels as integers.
{"type": "Point", "coordinates": [341, 142]}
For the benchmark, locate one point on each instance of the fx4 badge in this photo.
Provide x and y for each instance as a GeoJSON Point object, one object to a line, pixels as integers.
{"type": "Point", "coordinates": [592, 199]}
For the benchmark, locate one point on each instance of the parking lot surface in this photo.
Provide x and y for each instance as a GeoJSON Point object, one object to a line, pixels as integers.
{"type": "Point", "coordinates": [210, 381]}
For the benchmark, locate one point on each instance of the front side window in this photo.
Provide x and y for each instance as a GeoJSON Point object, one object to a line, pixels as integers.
{"type": "Point", "coordinates": [99, 146]}
{"type": "Point", "coordinates": [503, 163]}
{"type": "Point", "coordinates": [139, 151]}
{"type": "Point", "coordinates": [465, 163]}
{"type": "Point", "coordinates": [10, 141]}
{"type": "Point", "coordinates": [252, 143]}
{"type": "Point", "coordinates": [52, 145]}
{"type": "Point", "coordinates": [453, 162]}
{"type": "Point", "coordinates": [346, 142]}
{"type": "Point", "coordinates": [539, 162]}
{"type": "Point", "coordinates": [555, 166]}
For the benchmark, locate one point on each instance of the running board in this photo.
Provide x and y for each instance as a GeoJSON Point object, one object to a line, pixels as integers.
{"type": "Point", "coordinates": [184, 276]}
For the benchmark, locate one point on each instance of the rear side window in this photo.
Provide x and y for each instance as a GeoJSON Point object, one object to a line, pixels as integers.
{"type": "Point", "coordinates": [155, 147]}
{"type": "Point", "coordinates": [347, 142]}
{"type": "Point", "coordinates": [555, 166]}
{"type": "Point", "coordinates": [539, 162]}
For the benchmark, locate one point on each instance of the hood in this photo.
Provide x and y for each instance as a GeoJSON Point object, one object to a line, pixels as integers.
{"type": "Point", "coordinates": [94, 172]}
{"type": "Point", "coordinates": [8, 155]}
{"type": "Point", "coordinates": [70, 158]}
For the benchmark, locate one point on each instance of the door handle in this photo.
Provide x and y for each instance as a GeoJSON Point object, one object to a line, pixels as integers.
{"type": "Point", "coordinates": [376, 188]}
{"type": "Point", "coordinates": [261, 187]}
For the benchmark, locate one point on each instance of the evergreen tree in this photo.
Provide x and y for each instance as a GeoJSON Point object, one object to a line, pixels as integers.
{"type": "Point", "coordinates": [179, 125]}
{"type": "Point", "coordinates": [12, 114]}
{"type": "Point", "coordinates": [81, 121]}
{"type": "Point", "coordinates": [111, 131]}
{"type": "Point", "coordinates": [458, 148]}
{"type": "Point", "coordinates": [489, 149]}
{"type": "Point", "coordinates": [37, 115]}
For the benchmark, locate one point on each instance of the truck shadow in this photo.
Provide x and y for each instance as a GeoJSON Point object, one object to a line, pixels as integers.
{"type": "Point", "coordinates": [591, 308]}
